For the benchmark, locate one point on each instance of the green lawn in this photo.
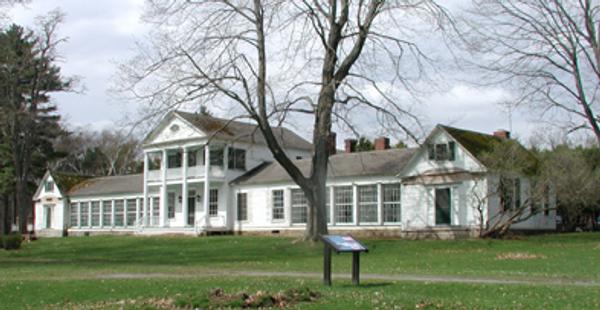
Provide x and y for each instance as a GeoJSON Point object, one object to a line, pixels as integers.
{"type": "Point", "coordinates": [69, 272]}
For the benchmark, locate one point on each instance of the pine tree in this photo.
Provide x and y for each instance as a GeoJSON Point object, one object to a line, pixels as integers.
{"type": "Point", "coordinates": [28, 120]}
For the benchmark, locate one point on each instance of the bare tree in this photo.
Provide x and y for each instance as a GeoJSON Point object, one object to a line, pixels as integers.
{"type": "Point", "coordinates": [516, 182]}
{"type": "Point", "coordinates": [98, 153]}
{"type": "Point", "coordinates": [269, 60]}
{"type": "Point", "coordinates": [546, 51]}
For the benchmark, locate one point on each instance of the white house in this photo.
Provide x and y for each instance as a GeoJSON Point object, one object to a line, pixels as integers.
{"type": "Point", "coordinates": [203, 174]}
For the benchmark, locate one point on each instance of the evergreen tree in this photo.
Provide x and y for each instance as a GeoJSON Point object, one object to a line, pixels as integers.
{"type": "Point", "coordinates": [28, 120]}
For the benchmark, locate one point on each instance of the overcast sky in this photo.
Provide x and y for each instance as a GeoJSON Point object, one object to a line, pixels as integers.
{"type": "Point", "coordinates": [102, 33]}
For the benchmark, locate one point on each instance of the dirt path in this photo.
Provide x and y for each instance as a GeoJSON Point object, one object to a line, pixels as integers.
{"type": "Point", "coordinates": [367, 276]}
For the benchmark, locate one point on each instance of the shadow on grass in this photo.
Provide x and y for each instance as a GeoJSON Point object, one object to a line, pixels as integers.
{"type": "Point", "coordinates": [366, 285]}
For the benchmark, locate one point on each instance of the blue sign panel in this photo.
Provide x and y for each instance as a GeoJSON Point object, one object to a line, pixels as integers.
{"type": "Point", "coordinates": [342, 243]}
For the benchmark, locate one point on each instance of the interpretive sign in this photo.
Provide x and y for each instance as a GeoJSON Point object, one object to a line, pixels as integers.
{"type": "Point", "coordinates": [344, 243]}
{"type": "Point", "coordinates": [341, 244]}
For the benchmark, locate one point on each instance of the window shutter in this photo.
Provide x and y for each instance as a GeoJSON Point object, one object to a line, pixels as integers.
{"type": "Point", "coordinates": [451, 150]}
{"type": "Point", "coordinates": [431, 151]}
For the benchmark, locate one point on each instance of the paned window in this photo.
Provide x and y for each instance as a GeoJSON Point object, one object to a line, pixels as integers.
{"type": "Point", "coordinates": [106, 213]}
{"type": "Point", "coordinates": [85, 213]}
{"type": "Point", "coordinates": [367, 203]}
{"type": "Point", "coordinates": [278, 211]}
{"type": "Point", "coordinates": [299, 206]}
{"type": "Point", "coordinates": [510, 193]}
{"type": "Point", "coordinates": [242, 206]}
{"type": "Point", "coordinates": [73, 215]}
{"type": "Point", "coordinates": [237, 159]}
{"type": "Point", "coordinates": [174, 159]}
{"type": "Point", "coordinates": [171, 205]}
{"type": "Point", "coordinates": [343, 204]}
{"type": "Point", "coordinates": [213, 202]}
{"type": "Point", "coordinates": [155, 211]}
{"type": "Point", "coordinates": [131, 206]}
{"type": "Point", "coordinates": [216, 156]}
{"type": "Point", "coordinates": [119, 212]}
{"type": "Point", "coordinates": [49, 186]}
{"type": "Point", "coordinates": [328, 203]}
{"type": "Point", "coordinates": [95, 213]}
{"type": "Point", "coordinates": [391, 203]}
{"type": "Point", "coordinates": [442, 151]}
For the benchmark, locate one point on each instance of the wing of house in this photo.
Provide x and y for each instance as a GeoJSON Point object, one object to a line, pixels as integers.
{"type": "Point", "coordinates": [204, 174]}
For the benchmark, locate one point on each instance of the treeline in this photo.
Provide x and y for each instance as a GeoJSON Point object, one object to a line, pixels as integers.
{"type": "Point", "coordinates": [574, 172]}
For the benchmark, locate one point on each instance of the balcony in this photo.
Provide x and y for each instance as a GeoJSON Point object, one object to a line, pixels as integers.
{"type": "Point", "coordinates": [195, 172]}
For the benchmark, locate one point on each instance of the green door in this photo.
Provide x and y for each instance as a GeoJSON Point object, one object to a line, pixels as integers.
{"type": "Point", "coordinates": [442, 206]}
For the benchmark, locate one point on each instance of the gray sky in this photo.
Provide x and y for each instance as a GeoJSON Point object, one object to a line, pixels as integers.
{"type": "Point", "coordinates": [102, 33]}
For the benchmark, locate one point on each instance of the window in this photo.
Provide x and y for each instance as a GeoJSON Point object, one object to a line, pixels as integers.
{"type": "Point", "coordinates": [442, 206]}
{"type": "Point", "coordinates": [328, 204]}
{"type": "Point", "coordinates": [119, 213]}
{"type": "Point", "coordinates": [174, 159]}
{"type": "Point", "coordinates": [49, 186]}
{"type": "Point", "coordinates": [216, 156]}
{"type": "Point", "coordinates": [96, 213]}
{"type": "Point", "coordinates": [367, 203]}
{"type": "Point", "coordinates": [73, 214]}
{"type": "Point", "coordinates": [171, 205]}
{"type": "Point", "coordinates": [299, 206]}
{"type": "Point", "coordinates": [85, 213]}
{"type": "Point", "coordinates": [242, 207]}
{"type": "Point", "coordinates": [131, 206]}
{"type": "Point", "coordinates": [106, 213]}
{"type": "Point", "coordinates": [278, 211]}
{"type": "Point", "coordinates": [510, 193]}
{"type": "Point", "coordinates": [154, 161]}
{"type": "Point", "coordinates": [343, 204]}
{"type": "Point", "coordinates": [237, 159]}
{"type": "Point", "coordinates": [441, 151]}
{"type": "Point", "coordinates": [213, 202]}
{"type": "Point", "coordinates": [155, 211]}
{"type": "Point", "coordinates": [391, 203]}
{"type": "Point", "coordinates": [192, 158]}
{"type": "Point", "coordinates": [48, 216]}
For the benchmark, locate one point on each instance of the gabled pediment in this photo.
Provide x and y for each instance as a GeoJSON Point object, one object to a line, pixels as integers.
{"type": "Point", "coordinates": [463, 159]}
{"type": "Point", "coordinates": [173, 128]}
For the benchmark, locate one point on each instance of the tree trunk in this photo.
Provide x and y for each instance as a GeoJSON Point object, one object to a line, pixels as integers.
{"type": "Point", "coordinates": [23, 202]}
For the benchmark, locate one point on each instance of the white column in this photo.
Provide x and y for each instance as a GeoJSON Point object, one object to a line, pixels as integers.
{"type": "Point", "coordinates": [184, 187]}
{"type": "Point", "coordinates": [137, 210]}
{"type": "Point", "coordinates": [163, 191]}
{"type": "Point", "coordinates": [332, 204]}
{"type": "Point", "coordinates": [379, 204]}
{"type": "Point", "coordinates": [79, 214]}
{"type": "Point", "coordinates": [225, 158]}
{"type": "Point", "coordinates": [101, 205]}
{"type": "Point", "coordinates": [112, 213]}
{"type": "Point", "coordinates": [206, 183]}
{"type": "Point", "coordinates": [145, 198]}
{"type": "Point", "coordinates": [149, 215]}
{"type": "Point", "coordinates": [125, 212]}
{"type": "Point", "coordinates": [355, 204]}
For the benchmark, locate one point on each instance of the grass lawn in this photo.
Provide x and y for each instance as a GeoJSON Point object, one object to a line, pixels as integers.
{"type": "Point", "coordinates": [72, 272]}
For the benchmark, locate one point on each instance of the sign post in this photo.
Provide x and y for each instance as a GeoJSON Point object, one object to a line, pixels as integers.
{"type": "Point", "coordinates": [341, 244]}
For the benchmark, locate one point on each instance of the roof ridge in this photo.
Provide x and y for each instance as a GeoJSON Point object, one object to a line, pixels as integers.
{"type": "Point", "coordinates": [467, 130]}
{"type": "Point", "coordinates": [225, 119]}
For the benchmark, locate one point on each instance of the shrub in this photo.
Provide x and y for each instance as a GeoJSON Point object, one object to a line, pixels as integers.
{"type": "Point", "coordinates": [12, 242]}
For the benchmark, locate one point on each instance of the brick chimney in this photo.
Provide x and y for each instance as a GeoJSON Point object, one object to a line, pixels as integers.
{"type": "Point", "coordinates": [501, 133]}
{"type": "Point", "coordinates": [332, 143]}
{"type": "Point", "coordinates": [350, 145]}
{"type": "Point", "coordinates": [382, 143]}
